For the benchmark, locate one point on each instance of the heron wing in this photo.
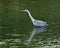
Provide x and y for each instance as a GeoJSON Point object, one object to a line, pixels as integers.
{"type": "Point", "coordinates": [40, 23]}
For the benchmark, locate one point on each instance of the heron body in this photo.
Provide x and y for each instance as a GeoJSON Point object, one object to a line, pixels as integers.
{"type": "Point", "coordinates": [39, 23]}
{"type": "Point", "coordinates": [34, 21]}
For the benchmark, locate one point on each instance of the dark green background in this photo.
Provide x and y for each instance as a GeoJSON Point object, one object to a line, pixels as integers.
{"type": "Point", "coordinates": [13, 21]}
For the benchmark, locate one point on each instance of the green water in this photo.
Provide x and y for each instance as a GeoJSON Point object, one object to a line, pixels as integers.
{"type": "Point", "coordinates": [16, 27]}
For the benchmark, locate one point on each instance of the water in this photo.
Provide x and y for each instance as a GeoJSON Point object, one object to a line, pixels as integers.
{"type": "Point", "coordinates": [19, 40]}
{"type": "Point", "coordinates": [35, 31]}
{"type": "Point", "coordinates": [17, 30]}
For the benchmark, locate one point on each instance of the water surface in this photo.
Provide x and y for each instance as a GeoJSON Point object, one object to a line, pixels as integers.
{"type": "Point", "coordinates": [17, 30]}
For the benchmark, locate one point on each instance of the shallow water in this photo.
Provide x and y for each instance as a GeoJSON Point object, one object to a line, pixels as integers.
{"type": "Point", "coordinates": [43, 37]}
{"type": "Point", "coordinates": [17, 30]}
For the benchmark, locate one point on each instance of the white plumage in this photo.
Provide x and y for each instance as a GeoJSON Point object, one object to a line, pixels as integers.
{"type": "Point", "coordinates": [34, 21]}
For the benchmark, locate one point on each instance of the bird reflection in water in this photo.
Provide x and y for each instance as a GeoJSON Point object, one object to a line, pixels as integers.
{"type": "Point", "coordinates": [35, 31]}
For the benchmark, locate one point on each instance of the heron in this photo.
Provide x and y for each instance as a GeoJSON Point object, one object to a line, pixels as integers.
{"type": "Point", "coordinates": [37, 23]}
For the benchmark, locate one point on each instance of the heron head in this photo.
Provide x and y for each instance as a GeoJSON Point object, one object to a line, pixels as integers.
{"type": "Point", "coordinates": [25, 10]}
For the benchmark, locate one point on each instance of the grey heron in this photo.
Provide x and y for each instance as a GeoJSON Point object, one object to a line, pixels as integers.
{"type": "Point", "coordinates": [35, 22]}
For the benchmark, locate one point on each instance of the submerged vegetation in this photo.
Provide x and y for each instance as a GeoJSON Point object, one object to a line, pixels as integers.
{"type": "Point", "coordinates": [16, 26]}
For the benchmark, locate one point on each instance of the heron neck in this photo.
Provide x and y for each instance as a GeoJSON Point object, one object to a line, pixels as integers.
{"type": "Point", "coordinates": [30, 16]}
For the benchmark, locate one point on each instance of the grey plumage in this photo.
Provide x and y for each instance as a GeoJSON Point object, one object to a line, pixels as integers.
{"type": "Point", "coordinates": [34, 21]}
